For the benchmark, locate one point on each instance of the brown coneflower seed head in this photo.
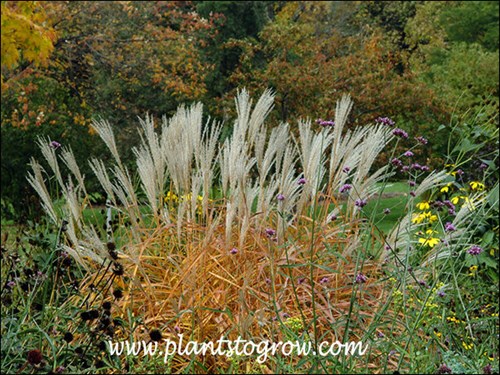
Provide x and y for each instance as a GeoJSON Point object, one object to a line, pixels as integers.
{"type": "Point", "coordinates": [68, 337]}
{"type": "Point", "coordinates": [94, 314]}
{"type": "Point", "coordinates": [106, 305]}
{"type": "Point", "coordinates": [118, 269]}
{"type": "Point", "coordinates": [35, 357]}
{"type": "Point", "coordinates": [155, 335]}
{"type": "Point", "coordinates": [118, 293]}
{"type": "Point", "coordinates": [85, 315]}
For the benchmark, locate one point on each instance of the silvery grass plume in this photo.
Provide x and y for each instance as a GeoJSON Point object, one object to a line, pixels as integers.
{"type": "Point", "coordinates": [253, 167]}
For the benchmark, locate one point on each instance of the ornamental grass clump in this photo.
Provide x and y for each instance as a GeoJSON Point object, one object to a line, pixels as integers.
{"type": "Point", "coordinates": [225, 238]}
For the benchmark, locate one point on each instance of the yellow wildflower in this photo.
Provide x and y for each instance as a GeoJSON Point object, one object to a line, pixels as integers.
{"type": "Point", "coordinates": [171, 197]}
{"type": "Point", "coordinates": [431, 242]}
{"type": "Point", "coordinates": [455, 199]}
{"type": "Point", "coordinates": [423, 206]}
{"type": "Point", "coordinates": [467, 346]}
{"type": "Point", "coordinates": [418, 218]}
{"type": "Point", "coordinates": [476, 185]}
{"type": "Point", "coordinates": [446, 188]}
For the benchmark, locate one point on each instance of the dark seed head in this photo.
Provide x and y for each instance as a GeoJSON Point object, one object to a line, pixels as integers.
{"type": "Point", "coordinates": [111, 246]}
{"type": "Point", "coordinates": [94, 314]}
{"type": "Point", "coordinates": [106, 305]}
{"type": "Point", "coordinates": [118, 269]}
{"type": "Point", "coordinates": [101, 345]}
{"type": "Point", "coordinates": [68, 337]}
{"type": "Point", "coordinates": [155, 335]}
{"type": "Point", "coordinates": [118, 293]}
{"type": "Point", "coordinates": [35, 357]}
{"type": "Point", "coordinates": [85, 316]}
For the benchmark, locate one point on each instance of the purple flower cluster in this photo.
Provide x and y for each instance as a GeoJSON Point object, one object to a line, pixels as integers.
{"type": "Point", "coordinates": [400, 133]}
{"type": "Point", "coordinates": [408, 154]}
{"type": "Point", "coordinates": [384, 120]}
{"type": "Point", "coordinates": [449, 227]}
{"type": "Point", "coordinates": [233, 251]}
{"type": "Point", "coordinates": [360, 203]}
{"type": "Point", "coordinates": [325, 123]}
{"type": "Point", "coordinates": [324, 280]}
{"type": "Point", "coordinates": [270, 232]}
{"type": "Point", "coordinates": [55, 145]}
{"type": "Point", "coordinates": [396, 162]}
{"type": "Point", "coordinates": [441, 293]}
{"type": "Point", "coordinates": [475, 250]}
{"type": "Point", "coordinates": [360, 278]}
{"type": "Point", "coordinates": [280, 197]}
{"type": "Point", "coordinates": [421, 140]}
{"type": "Point", "coordinates": [412, 183]}
{"type": "Point", "coordinates": [302, 181]}
{"type": "Point", "coordinates": [346, 169]}
{"type": "Point", "coordinates": [451, 207]}
{"type": "Point", "coordinates": [345, 188]}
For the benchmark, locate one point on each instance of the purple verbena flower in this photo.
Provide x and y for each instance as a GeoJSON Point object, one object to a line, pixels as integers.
{"type": "Point", "coordinates": [475, 250]}
{"type": "Point", "coordinates": [301, 280]}
{"type": "Point", "coordinates": [412, 183]}
{"type": "Point", "coordinates": [325, 123]}
{"type": "Point", "coordinates": [443, 369]}
{"type": "Point", "coordinates": [448, 204]}
{"type": "Point", "coordinates": [400, 133]}
{"type": "Point", "coordinates": [421, 140]}
{"type": "Point", "coordinates": [233, 251]}
{"type": "Point", "coordinates": [483, 166]}
{"type": "Point", "coordinates": [405, 168]}
{"type": "Point", "coordinates": [425, 168]}
{"type": "Point", "coordinates": [396, 162]}
{"type": "Point", "coordinates": [324, 280]}
{"type": "Point", "coordinates": [302, 181]}
{"type": "Point", "coordinates": [360, 278]}
{"type": "Point", "coordinates": [408, 154]}
{"type": "Point", "coordinates": [415, 166]}
{"type": "Point", "coordinates": [55, 145]}
{"type": "Point", "coordinates": [449, 227]}
{"type": "Point", "coordinates": [345, 188]}
{"type": "Point", "coordinates": [413, 194]}
{"type": "Point", "coordinates": [346, 169]}
{"type": "Point", "coordinates": [270, 232]}
{"type": "Point", "coordinates": [441, 293]}
{"type": "Point", "coordinates": [280, 197]}
{"type": "Point", "coordinates": [360, 203]}
{"type": "Point", "coordinates": [423, 283]}
{"type": "Point", "coordinates": [384, 120]}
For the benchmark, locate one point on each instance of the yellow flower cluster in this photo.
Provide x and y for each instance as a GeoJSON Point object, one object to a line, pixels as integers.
{"type": "Point", "coordinates": [473, 270]}
{"type": "Point", "coordinates": [295, 324]}
{"type": "Point", "coordinates": [423, 206]}
{"type": "Point", "coordinates": [424, 216]}
{"type": "Point", "coordinates": [476, 185]}
{"type": "Point", "coordinates": [467, 346]}
{"type": "Point", "coordinates": [429, 240]}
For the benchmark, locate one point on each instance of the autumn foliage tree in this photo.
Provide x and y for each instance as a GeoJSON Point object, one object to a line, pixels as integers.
{"type": "Point", "coordinates": [310, 65]}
